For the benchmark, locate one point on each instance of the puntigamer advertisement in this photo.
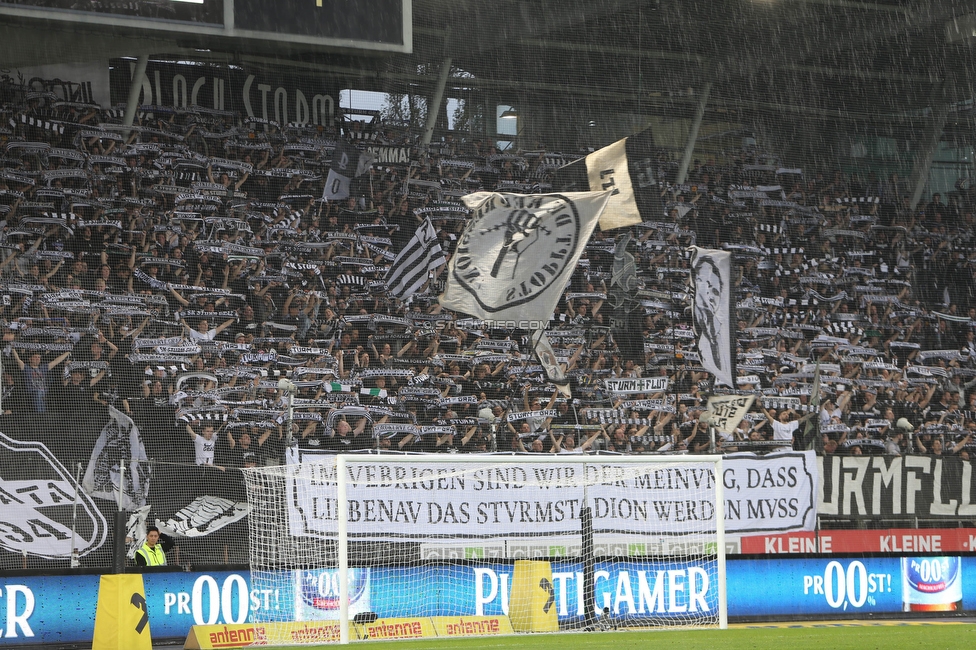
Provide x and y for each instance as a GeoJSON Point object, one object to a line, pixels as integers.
{"type": "Point", "coordinates": [36, 611]}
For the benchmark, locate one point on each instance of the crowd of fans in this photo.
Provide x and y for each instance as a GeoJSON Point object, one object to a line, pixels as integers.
{"type": "Point", "coordinates": [178, 270]}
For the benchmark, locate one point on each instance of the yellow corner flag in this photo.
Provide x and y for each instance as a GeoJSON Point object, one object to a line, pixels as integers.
{"type": "Point", "coordinates": [532, 607]}
{"type": "Point", "coordinates": [122, 616]}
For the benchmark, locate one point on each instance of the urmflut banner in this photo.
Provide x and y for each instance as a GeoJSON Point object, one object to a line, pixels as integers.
{"type": "Point", "coordinates": [914, 486]}
{"type": "Point", "coordinates": [421, 500]}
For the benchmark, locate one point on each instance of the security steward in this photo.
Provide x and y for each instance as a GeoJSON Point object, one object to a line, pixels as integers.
{"type": "Point", "coordinates": [153, 551]}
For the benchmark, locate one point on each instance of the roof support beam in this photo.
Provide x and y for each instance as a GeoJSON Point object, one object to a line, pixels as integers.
{"type": "Point", "coordinates": [434, 107]}
{"type": "Point", "coordinates": [135, 87]}
{"type": "Point", "coordinates": [693, 133]}
{"type": "Point", "coordinates": [851, 4]}
{"type": "Point", "coordinates": [659, 102]}
{"type": "Point", "coordinates": [933, 134]}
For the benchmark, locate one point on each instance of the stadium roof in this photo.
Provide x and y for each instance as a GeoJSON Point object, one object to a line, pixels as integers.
{"type": "Point", "coordinates": [822, 58]}
{"type": "Point", "coordinates": [837, 63]}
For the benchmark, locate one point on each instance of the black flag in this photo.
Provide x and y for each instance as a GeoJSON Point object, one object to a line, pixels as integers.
{"type": "Point", "coordinates": [627, 322]}
{"type": "Point", "coordinates": [348, 162]}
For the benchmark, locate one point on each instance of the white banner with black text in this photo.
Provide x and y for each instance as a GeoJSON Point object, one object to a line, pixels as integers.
{"type": "Point", "coordinates": [416, 499]}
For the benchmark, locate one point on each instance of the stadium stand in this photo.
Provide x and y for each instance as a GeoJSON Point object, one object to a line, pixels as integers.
{"type": "Point", "coordinates": [159, 281]}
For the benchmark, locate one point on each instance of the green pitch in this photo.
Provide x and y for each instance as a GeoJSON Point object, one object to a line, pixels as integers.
{"type": "Point", "coordinates": [931, 636]}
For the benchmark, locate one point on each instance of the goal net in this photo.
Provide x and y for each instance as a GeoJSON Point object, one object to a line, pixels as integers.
{"type": "Point", "coordinates": [381, 546]}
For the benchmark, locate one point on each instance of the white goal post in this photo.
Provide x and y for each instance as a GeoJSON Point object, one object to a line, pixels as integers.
{"type": "Point", "coordinates": [409, 546]}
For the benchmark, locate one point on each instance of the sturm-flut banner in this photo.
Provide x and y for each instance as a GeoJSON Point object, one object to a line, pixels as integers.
{"type": "Point", "coordinates": [639, 385]}
{"type": "Point", "coordinates": [893, 486]}
{"type": "Point", "coordinates": [427, 500]}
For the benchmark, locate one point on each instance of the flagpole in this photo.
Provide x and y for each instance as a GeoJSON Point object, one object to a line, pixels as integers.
{"type": "Point", "coordinates": [288, 389]}
{"type": "Point", "coordinates": [693, 134]}
{"type": "Point", "coordinates": [119, 528]}
{"type": "Point", "coordinates": [74, 517]}
{"type": "Point", "coordinates": [674, 339]}
{"type": "Point", "coordinates": [525, 363]}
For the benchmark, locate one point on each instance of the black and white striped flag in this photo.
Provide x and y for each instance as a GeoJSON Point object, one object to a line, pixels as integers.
{"type": "Point", "coordinates": [411, 268]}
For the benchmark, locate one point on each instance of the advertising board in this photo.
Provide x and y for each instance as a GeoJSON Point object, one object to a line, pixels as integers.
{"type": "Point", "coordinates": [33, 610]}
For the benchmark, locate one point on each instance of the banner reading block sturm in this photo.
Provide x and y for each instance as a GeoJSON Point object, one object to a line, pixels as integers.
{"type": "Point", "coordinates": [415, 499]}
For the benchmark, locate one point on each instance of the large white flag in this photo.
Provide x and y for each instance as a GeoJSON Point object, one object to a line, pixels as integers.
{"type": "Point", "coordinates": [629, 168]}
{"type": "Point", "coordinates": [40, 495]}
{"type": "Point", "coordinates": [518, 252]}
{"type": "Point", "coordinates": [712, 276]}
{"type": "Point", "coordinates": [119, 445]}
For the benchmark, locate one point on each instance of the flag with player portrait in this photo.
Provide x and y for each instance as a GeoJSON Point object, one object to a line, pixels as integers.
{"type": "Point", "coordinates": [711, 272]}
